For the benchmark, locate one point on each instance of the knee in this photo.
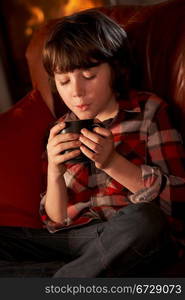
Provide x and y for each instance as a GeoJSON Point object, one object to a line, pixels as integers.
{"type": "Point", "coordinates": [151, 220]}
{"type": "Point", "coordinates": [145, 221]}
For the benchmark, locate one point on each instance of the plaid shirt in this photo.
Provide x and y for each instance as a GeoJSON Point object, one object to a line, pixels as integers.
{"type": "Point", "coordinates": [144, 135]}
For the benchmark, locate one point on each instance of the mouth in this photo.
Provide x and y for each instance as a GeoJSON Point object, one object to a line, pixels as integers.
{"type": "Point", "coordinates": [83, 107]}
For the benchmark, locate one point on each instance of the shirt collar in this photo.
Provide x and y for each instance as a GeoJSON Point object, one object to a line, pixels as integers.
{"type": "Point", "coordinates": [131, 105]}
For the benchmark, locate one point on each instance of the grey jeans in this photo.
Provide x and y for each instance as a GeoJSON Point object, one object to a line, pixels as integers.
{"type": "Point", "coordinates": [132, 243]}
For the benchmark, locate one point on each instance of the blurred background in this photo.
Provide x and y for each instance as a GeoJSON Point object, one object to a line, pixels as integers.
{"type": "Point", "coordinates": [18, 21]}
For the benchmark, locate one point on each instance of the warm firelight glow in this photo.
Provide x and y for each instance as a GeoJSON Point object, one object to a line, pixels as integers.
{"type": "Point", "coordinates": [77, 5]}
{"type": "Point", "coordinates": [38, 13]}
{"type": "Point", "coordinates": [37, 16]}
{"type": "Point", "coordinates": [36, 19]}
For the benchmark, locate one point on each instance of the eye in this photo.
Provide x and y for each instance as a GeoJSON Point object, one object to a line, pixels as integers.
{"type": "Point", "coordinates": [64, 82]}
{"type": "Point", "coordinates": [88, 75]}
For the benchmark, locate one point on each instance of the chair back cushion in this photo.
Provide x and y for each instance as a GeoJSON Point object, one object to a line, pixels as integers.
{"type": "Point", "coordinates": [21, 145]}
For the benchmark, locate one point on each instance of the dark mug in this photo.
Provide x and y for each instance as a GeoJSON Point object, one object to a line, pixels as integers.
{"type": "Point", "coordinates": [76, 127]}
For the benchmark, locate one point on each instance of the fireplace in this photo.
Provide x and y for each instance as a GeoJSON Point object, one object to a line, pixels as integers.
{"type": "Point", "coordinates": [19, 20]}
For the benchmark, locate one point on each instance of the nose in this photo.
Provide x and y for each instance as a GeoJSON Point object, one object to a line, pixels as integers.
{"type": "Point", "coordinates": [78, 88]}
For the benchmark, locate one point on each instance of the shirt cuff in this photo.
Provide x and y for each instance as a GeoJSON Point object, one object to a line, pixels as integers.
{"type": "Point", "coordinates": [152, 179]}
{"type": "Point", "coordinates": [50, 225]}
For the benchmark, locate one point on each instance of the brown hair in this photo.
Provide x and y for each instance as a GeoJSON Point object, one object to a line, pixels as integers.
{"type": "Point", "coordinates": [86, 39]}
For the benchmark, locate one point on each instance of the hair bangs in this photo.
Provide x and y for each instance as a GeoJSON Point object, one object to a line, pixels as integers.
{"type": "Point", "coordinates": [87, 39]}
{"type": "Point", "coordinates": [63, 58]}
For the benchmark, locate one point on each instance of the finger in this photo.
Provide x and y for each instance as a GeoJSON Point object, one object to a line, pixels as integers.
{"type": "Point", "coordinates": [92, 136]}
{"type": "Point", "coordinates": [90, 144]}
{"type": "Point", "coordinates": [65, 137]}
{"type": "Point", "coordinates": [88, 152]}
{"type": "Point", "coordinates": [56, 149]}
{"type": "Point", "coordinates": [56, 129]}
{"type": "Point", "coordinates": [67, 156]}
{"type": "Point", "coordinates": [62, 138]}
{"type": "Point", "coordinates": [68, 145]}
{"type": "Point", "coordinates": [103, 131]}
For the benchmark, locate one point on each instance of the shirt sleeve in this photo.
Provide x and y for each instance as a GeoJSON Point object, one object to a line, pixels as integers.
{"type": "Point", "coordinates": [164, 172]}
{"type": "Point", "coordinates": [47, 222]}
{"type": "Point", "coordinates": [152, 178]}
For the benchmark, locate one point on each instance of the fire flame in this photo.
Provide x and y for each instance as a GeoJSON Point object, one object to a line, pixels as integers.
{"type": "Point", "coordinates": [37, 15]}
{"type": "Point", "coordinates": [36, 19]}
{"type": "Point", "coordinates": [77, 5]}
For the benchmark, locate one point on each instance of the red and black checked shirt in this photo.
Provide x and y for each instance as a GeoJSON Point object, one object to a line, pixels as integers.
{"type": "Point", "coordinates": [144, 135]}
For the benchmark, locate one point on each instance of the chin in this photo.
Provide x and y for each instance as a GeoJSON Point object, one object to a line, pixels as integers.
{"type": "Point", "coordinates": [83, 116]}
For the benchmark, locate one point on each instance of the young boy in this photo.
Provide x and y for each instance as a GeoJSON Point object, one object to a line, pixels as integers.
{"type": "Point", "coordinates": [111, 211]}
{"type": "Point", "coordinates": [108, 218]}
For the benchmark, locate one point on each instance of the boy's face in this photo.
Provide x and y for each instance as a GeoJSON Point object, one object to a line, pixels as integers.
{"type": "Point", "coordinates": [87, 92]}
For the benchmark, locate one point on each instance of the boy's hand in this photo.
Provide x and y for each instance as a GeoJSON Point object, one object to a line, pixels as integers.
{"type": "Point", "coordinates": [57, 144]}
{"type": "Point", "coordinates": [100, 145]}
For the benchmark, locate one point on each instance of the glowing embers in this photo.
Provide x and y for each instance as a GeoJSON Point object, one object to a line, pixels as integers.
{"type": "Point", "coordinates": [77, 5]}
